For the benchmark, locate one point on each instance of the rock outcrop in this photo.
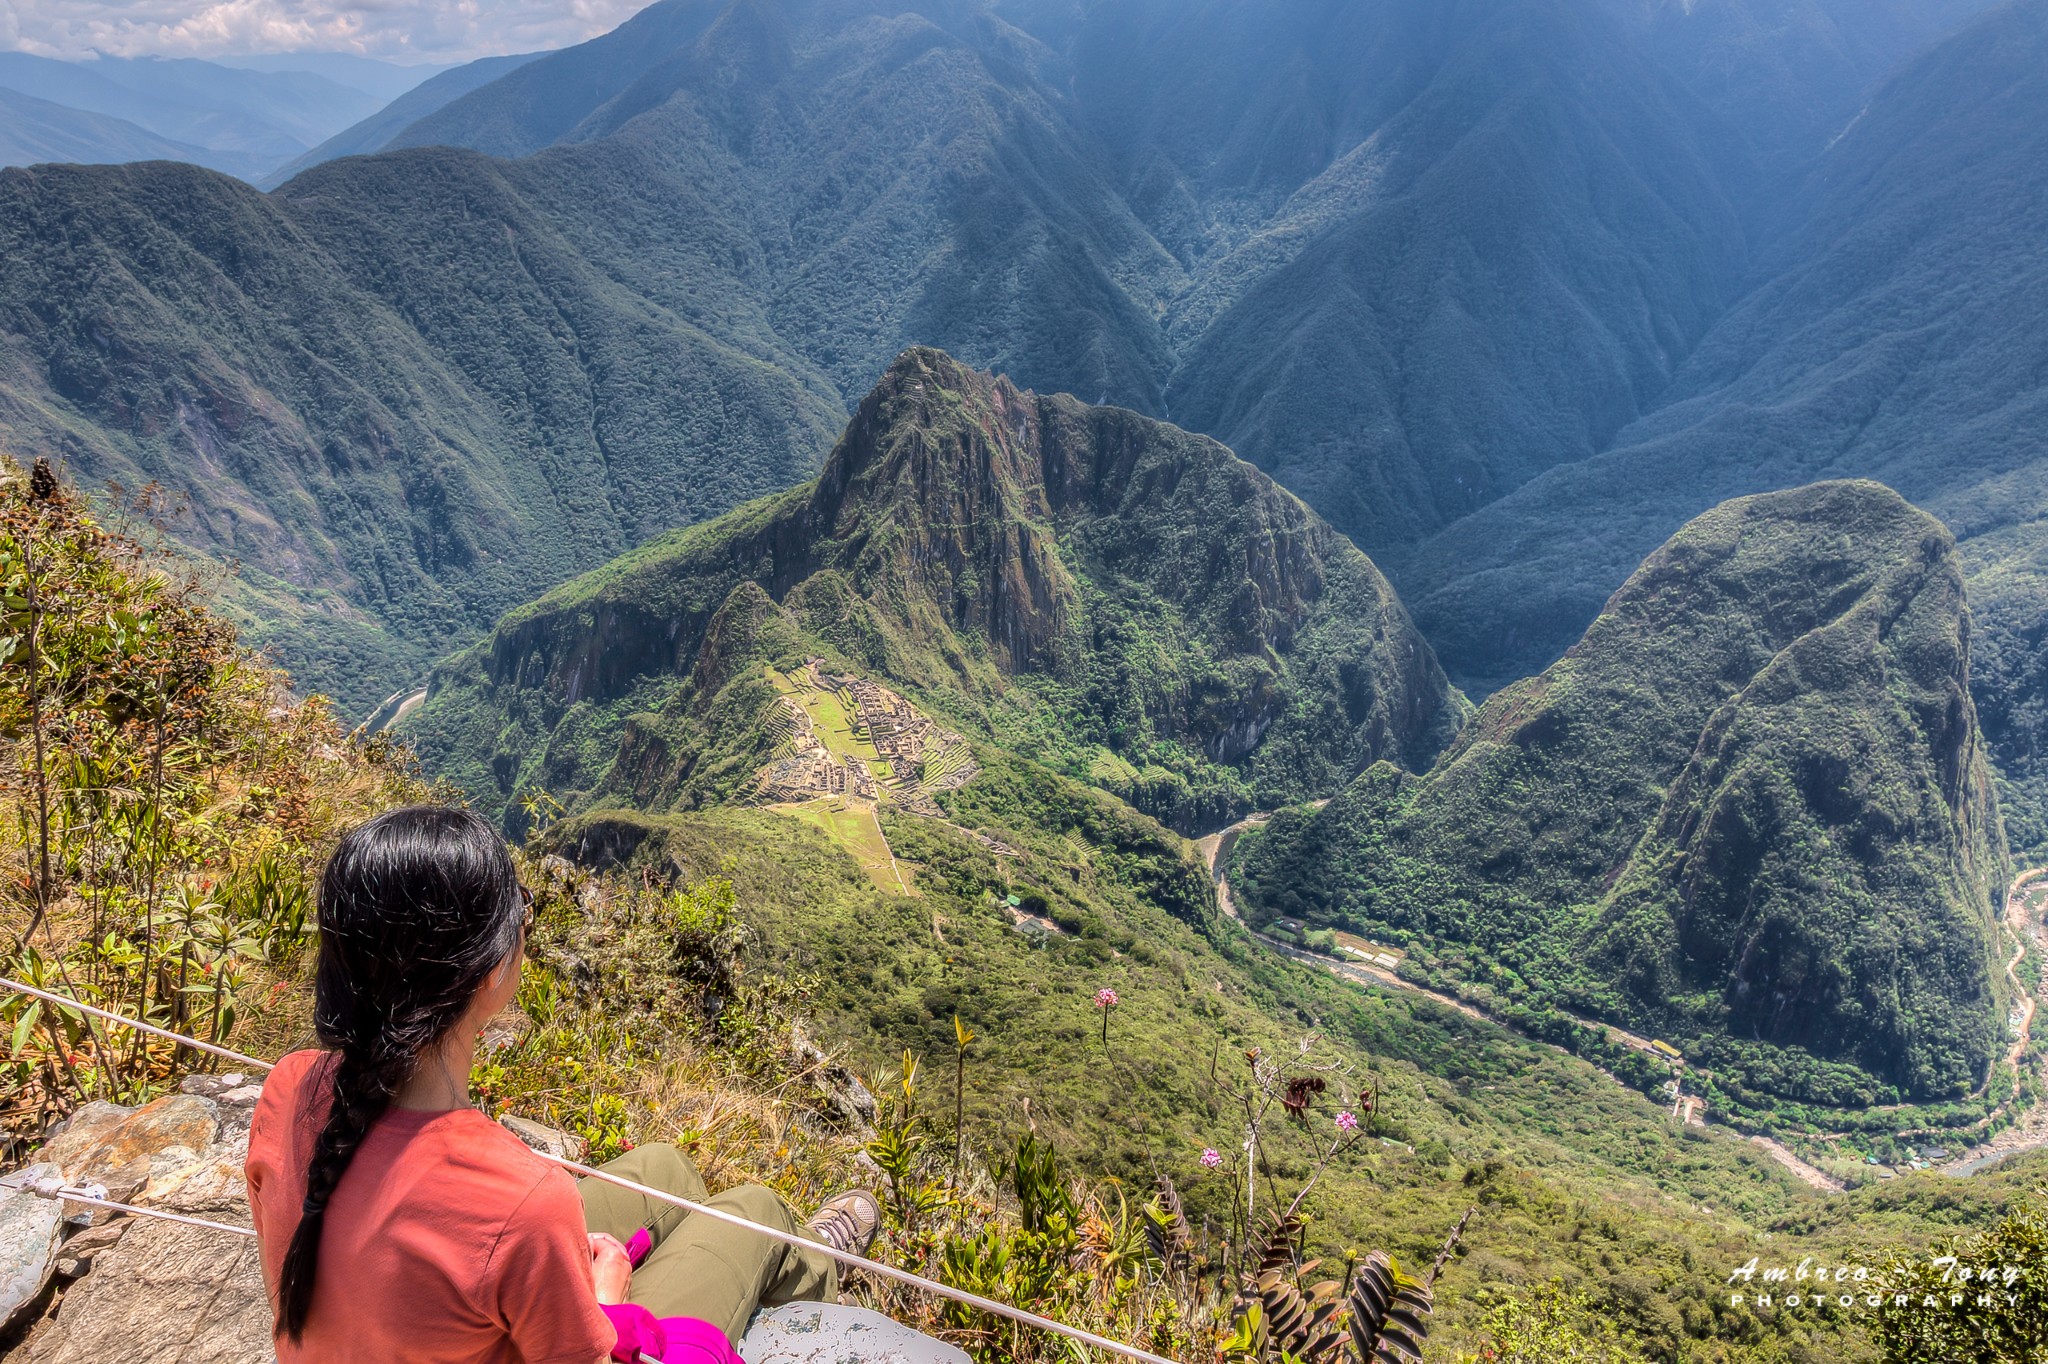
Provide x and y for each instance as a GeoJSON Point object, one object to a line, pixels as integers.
{"type": "Point", "coordinates": [135, 1290]}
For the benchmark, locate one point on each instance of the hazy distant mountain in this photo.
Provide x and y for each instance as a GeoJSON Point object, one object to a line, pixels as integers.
{"type": "Point", "coordinates": [1787, 76]}
{"type": "Point", "coordinates": [378, 79]}
{"type": "Point", "coordinates": [374, 133]}
{"type": "Point", "coordinates": [249, 121]}
{"type": "Point", "coordinates": [35, 130]}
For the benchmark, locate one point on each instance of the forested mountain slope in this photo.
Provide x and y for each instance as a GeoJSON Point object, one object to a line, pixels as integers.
{"type": "Point", "coordinates": [1100, 592]}
{"type": "Point", "coordinates": [404, 394]}
{"type": "Point", "coordinates": [409, 391]}
{"type": "Point", "coordinates": [1751, 803]}
{"type": "Point", "coordinates": [1235, 215]}
{"type": "Point", "coordinates": [1406, 256]}
{"type": "Point", "coordinates": [1897, 338]}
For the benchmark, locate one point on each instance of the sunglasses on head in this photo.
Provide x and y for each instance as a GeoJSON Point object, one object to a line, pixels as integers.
{"type": "Point", "coordinates": [526, 910]}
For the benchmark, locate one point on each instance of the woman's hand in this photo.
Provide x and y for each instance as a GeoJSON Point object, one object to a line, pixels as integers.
{"type": "Point", "coordinates": [610, 1268]}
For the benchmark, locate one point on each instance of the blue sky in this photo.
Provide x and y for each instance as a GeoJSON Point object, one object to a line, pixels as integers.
{"type": "Point", "coordinates": [395, 30]}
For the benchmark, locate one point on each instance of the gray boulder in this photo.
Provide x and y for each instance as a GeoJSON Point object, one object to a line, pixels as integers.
{"type": "Point", "coordinates": [30, 1228]}
{"type": "Point", "coordinates": [166, 1291]}
{"type": "Point", "coordinates": [160, 1290]}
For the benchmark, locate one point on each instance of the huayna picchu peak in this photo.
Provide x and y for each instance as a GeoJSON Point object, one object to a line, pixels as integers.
{"type": "Point", "coordinates": [1123, 601]}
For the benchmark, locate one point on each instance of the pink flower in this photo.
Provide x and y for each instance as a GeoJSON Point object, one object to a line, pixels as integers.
{"type": "Point", "coordinates": [1347, 1122]}
{"type": "Point", "coordinates": [1210, 1159]}
{"type": "Point", "coordinates": [1105, 999]}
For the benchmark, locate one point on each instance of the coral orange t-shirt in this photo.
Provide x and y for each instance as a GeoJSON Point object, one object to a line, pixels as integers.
{"type": "Point", "coordinates": [446, 1240]}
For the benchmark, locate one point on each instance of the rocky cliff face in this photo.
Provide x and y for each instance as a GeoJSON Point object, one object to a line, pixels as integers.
{"type": "Point", "coordinates": [1752, 802]}
{"type": "Point", "coordinates": [1077, 579]}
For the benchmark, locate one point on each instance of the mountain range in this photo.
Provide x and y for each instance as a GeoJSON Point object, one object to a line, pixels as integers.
{"type": "Point", "coordinates": [1504, 290]}
{"type": "Point", "coordinates": [1751, 810]}
{"type": "Point", "coordinates": [1893, 340]}
{"type": "Point", "coordinates": [927, 460]}
{"type": "Point", "coordinates": [1411, 259]}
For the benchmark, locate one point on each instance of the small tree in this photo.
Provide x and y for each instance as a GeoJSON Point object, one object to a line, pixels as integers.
{"type": "Point", "coordinates": [1979, 1299]}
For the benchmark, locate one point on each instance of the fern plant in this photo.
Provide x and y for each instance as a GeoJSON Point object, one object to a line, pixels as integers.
{"type": "Point", "coordinates": [1377, 1314]}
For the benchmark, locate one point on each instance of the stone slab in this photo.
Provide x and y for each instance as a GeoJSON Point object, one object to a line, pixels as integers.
{"type": "Point", "coordinates": [165, 1292]}
{"type": "Point", "coordinates": [826, 1333]}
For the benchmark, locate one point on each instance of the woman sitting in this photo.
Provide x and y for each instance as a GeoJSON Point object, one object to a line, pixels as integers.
{"type": "Point", "coordinates": [399, 1223]}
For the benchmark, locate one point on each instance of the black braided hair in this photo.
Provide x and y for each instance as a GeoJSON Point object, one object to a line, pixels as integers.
{"type": "Point", "coordinates": [417, 908]}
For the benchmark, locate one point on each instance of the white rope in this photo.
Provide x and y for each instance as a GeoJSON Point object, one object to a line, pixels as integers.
{"type": "Point", "coordinates": [868, 1266]}
{"type": "Point", "coordinates": [959, 1295]}
{"type": "Point", "coordinates": [54, 1188]}
{"type": "Point", "coordinates": [63, 1002]}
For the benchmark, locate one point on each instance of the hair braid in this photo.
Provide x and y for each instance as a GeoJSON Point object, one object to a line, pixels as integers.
{"type": "Point", "coordinates": [417, 908]}
{"type": "Point", "coordinates": [361, 1092]}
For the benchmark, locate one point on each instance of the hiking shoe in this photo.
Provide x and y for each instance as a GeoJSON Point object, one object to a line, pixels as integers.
{"type": "Point", "coordinates": [848, 1222]}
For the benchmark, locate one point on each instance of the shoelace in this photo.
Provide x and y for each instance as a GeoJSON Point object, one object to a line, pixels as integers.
{"type": "Point", "coordinates": [842, 1226]}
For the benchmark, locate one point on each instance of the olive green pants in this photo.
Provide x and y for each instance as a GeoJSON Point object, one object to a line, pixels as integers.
{"type": "Point", "coordinates": [701, 1267]}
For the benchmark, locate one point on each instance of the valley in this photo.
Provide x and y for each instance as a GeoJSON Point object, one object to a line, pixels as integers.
{"type": "Point", "coordinates": [1686, 1109]}
{"type": "Point", "coordinates": [1100, 615]}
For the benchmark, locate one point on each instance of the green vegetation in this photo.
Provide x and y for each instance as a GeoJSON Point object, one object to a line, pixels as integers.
{"type": "Point", "coordinates": [855, 828]}
{"type": "Point", "coordinates": [1576, 1179]}
{"type": "Point", "coordinates": [165, 805]}
{"type": "Point", "coordinates": [1975, 1299]}
{"type": "Point", "coordinates": [670, 991]}
{"type": "Point", "coordinates": [1115, 598]}
{"type": "Point", "coordinates": [1751, 804]}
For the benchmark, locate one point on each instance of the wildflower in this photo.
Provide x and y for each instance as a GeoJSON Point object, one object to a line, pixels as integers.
{"type": "Point", "coordinates": [1105, 999]}
{"type": "Point", "coordinates": [1210, 1158]}
{"type": "Point", "coordinates": [1347, 1122]}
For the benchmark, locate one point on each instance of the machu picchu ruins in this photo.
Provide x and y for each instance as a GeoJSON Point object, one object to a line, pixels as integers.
{"type": "Point", "coordinates": [875, 746]}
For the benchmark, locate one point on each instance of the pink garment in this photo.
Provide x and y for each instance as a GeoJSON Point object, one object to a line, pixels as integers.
{"type": "Point", "coordinates": [691, 1341]}
{"type": "Point", "coordinates": [672, 1340]}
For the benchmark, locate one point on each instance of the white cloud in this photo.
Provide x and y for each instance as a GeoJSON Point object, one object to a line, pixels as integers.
{"type": "Point", "coordinates": [395, 30]}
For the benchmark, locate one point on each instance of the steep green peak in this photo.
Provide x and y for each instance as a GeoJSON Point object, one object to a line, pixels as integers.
{"type": "Point", "coordinates": [1776, 565]}
{"type": "Point", "coordinates": [1750, 809]}
{"type": "Point", "coordinates": [1129, 603]}
{"type": "Point", "coordinates": [1705, 617]}
{"type": "Point", "coordinates": [932, 427]}
{"type": "Point", "coordinates": [936, 494]}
